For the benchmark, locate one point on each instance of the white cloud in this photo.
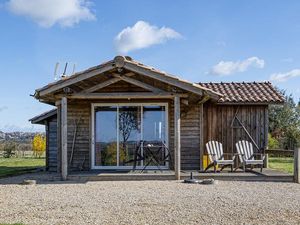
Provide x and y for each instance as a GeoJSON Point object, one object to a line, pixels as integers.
{"type": "Point", "coordinates": [47, 13]}
{"type": "Point", "coordinates": [281, 77]}
{"type": "Point", "coordinates": [230, 67]}
{"type": "Point", "coordinates": [143, 35]}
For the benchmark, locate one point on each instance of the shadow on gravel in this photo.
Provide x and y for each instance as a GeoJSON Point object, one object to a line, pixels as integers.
{"type": "Point", "coordinates": [41, 178]}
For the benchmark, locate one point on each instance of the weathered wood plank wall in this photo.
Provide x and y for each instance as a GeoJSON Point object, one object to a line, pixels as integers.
{"type": "Point", "coordinates": [190, 138]}
{"type": "Point", "coordinates": [79, 110]}
{"type": "Point", "coordinates": [218, 119]}
{"type": "Point", "coordinates": [52, 145]}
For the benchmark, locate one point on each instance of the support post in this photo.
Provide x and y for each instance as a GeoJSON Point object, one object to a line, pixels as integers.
{"type": "Point", "coordinates": [266, 162]}
{"type": "Point", "coordinates": [58, 130]}
{"type": "Point", "coordinates": [64, 139]}
{"type": "Point", "coordinates": [201, 137]}
{"type": "Point", "coordinates": [297, 165]}
{"type": "Point", "coordinates": [177, 136]}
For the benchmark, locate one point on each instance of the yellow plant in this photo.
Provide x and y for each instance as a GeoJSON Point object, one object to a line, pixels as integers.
{"type": "Point", "coordinates": [38, 145]}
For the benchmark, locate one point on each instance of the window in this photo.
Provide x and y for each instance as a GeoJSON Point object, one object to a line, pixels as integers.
{"type": "Point", "coordinates": [119, 128]}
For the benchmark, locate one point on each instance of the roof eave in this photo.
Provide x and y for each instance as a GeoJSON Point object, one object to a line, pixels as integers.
{"type": "Point", "coordinates": [39, 119]}
{"type": "Point", "coordinates": [250, 103]}
{"type": "Point", "coordinates": [120, 62]}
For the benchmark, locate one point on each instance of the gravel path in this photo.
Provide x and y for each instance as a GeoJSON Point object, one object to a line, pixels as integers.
{"type": "Point", "coordinates": [148, 202]}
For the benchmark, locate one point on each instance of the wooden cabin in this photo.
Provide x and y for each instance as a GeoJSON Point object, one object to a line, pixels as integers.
{"type": "Point", "coordinates": [104, 114]}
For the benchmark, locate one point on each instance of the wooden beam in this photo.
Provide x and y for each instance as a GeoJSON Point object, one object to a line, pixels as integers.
{"type": "Point", "coordinates": [266, 130]}
{"type": "Point", "coordinates": [204, 99]}
{"type": "Point", "coordinates": [201, 142]}
{"type": "Point", "coordinates": [168, 79]}
{"type": "Point", "coordinates": [140, 84]}
{"type": "Point", "coordinates": [64, 138]}
{"type": "Point", "coordinates": [58, 129]}
{"type": "Point", "coordinates": [177, 137]}
{"type": "Point", "coordinates": [185, 101]}
{"type": "Point", "coordinates": [297, 165]}
{"type": "Point", "coordinates": [75, 78]}
{"type": "Point", "coordinates": [124, 95]}
{"type": "Point", "coordinates": [101, 85]}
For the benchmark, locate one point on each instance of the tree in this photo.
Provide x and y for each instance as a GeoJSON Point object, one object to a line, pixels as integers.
{"type": "Point", "coordinates": [284, 123]}
{"type": "Point", "coordinates": [128, 121]}
{"type": "Point", "coordinates": [9, 149]}
{"type": "Point", "coordinates": [38, 145]}
{"type": "Point", "coordinates": [110, 155]}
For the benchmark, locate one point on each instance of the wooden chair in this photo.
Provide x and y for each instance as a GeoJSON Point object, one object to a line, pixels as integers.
{"type": "Point", "coordinates": [216, 156]}
{"type": "Point", "coordinates": [247, 155]}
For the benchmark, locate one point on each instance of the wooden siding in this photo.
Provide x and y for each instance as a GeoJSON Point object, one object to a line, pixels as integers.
{"type": "Point", "coordinates": [190, 138]}
{"type": "Point", "coordinates": [79, 110]}
{"type": "Point", "coordinates": [52, 145]}
{"type": "Point", "coordinates": [217, 124]}
{"type": "Point", "coordinates": [217, 121]}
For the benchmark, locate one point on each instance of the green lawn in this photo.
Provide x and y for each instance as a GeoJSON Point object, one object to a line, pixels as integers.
{"type": "Point", "coordinates": [283, 164]}
{"type": "Point", "coordinates": [14, 166]}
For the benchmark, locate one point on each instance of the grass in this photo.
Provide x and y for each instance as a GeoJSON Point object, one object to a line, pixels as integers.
{"type": "Point", "coordinates": [15, 166]}
{"type": "Point", "coordinates": [285, 164]}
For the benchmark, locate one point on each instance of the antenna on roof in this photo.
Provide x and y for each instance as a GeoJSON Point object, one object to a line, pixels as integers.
{"type": "Point", "coordinates": [74, 66]}
{"type": "Point", "coordinates": [55, 71]}
{"type": "Point", "coordinates": [65, 70]}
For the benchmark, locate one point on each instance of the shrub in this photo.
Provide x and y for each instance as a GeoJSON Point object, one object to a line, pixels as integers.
{"type": "Point", "coordinates": [273, 142]}
{"type": "Point", "coordinates": [9, 149]}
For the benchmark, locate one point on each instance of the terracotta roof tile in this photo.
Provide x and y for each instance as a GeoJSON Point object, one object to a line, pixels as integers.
{"type": "Point", "coordinates": [246, 92]}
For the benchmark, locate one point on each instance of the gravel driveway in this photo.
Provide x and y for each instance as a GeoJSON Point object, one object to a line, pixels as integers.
{"type": "Point", "coordinates": [149, 202]}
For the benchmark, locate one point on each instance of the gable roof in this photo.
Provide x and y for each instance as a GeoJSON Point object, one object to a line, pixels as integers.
{"type": "Point", "coordinates": [39, 119]}
{"type": "Point", "coordinates": [246, 92]}
{"type": "Point", "coordinates": [128, 63]}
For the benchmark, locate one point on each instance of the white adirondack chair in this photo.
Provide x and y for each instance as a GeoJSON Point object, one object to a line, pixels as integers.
{"type": "Point", "coordinates": [216, 156]}
{"type": "Point", "coordinates": [247, 155]}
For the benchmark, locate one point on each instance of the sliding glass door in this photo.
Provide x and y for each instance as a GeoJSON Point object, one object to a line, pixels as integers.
{"type": "Point", "coordinates": [106, 142]}
{"type": "Point", "coordinates": [118, 130]}
{"type": "Point", "coordinates": [129, 133]}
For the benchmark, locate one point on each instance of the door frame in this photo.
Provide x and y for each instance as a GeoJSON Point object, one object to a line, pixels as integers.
{"type": "Point", "coordinates": [93, 105]}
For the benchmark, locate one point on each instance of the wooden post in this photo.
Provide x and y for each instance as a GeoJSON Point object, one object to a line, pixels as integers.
{"type": "Point", "coordinates": [266, 162]}
{"type": "Point", "coordinates": [64, 139]}
{"type": "Point", "coordinates": [177, 136]}
{"type": "Point", "coordinates": [297, 165]}
{"type": "Point", "coordinates": [266, 131]}
{"type": "Point", "coordinates": [201, 137]}
{"type": "Point", "coordinates": [58, 129]}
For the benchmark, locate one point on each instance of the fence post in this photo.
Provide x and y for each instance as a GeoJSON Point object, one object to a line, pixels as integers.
{"type": "Point", "coordinates": [266, 163]}
{"type": "Point", "coordinates": [297, 165]}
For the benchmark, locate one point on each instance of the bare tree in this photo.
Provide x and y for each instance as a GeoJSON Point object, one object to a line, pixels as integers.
{"type": "Point", "coordinates": [128, 121]}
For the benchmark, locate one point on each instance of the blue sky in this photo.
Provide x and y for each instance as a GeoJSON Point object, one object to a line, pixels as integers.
{"type": "Point", "coordinates": [201, 41]}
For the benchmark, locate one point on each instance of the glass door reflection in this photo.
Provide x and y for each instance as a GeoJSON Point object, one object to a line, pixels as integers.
{"type": "Point", "coordinates": [129, 133]}
{"type": "Point", "coordinates": [106, 151]}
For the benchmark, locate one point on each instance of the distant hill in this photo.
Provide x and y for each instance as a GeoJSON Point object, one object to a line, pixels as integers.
{"type": "Point", "coordinates": [17, 136]}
